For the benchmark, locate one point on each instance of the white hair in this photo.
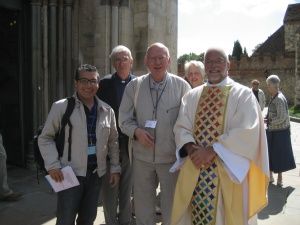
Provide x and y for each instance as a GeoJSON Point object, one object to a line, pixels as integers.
{"type": "Point", "coordinates": [118, 49]}
{"type": "Point", "coordinates": [219, 50]}
{"type": "Point", "coordinates": [273, 80]}
{"type": "Point", "coordinates": [198, 64]}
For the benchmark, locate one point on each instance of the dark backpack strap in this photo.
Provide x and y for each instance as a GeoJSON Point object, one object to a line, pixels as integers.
{"type": "Point", "coordinates": [66, 117]}
{"type": "Point", "coordinates": [70, 140]}
{"type": "Point", "coordinates": [61, 135]}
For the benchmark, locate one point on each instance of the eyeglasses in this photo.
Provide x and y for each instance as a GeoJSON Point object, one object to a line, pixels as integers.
{"type": "Point", "coordinates": [86, 82]}
{"type": "Point", "coordinates": [157, 58]}
{"type": "Point", "coordinates": [217, 62]}
{"type": "Point", "coordinates": [122, 59]}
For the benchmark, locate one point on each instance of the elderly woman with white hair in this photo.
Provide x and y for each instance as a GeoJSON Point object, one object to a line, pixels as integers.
{"type": "Point", "coordinates": [281, 156]}
{"type": "Point", "coordinates": [194, 73]}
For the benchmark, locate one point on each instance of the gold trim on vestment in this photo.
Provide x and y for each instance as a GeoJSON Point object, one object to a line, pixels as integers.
{"type": "Point", "coordinates": [208, 126]}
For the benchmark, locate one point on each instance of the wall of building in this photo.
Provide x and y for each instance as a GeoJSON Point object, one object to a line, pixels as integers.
{"type": "Point", "coordinates": [140, 23]}
{"type": "Point", "coordinates": [259, 67]}
{"type": "Point", "coordinates": [154, 21]}
{"type": "Point", "coordinates": [290, 31]}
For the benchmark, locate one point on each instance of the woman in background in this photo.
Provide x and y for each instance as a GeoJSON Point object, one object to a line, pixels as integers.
{"type": "Point", "coordinates": [194, 73]}
{"type": "Point", "coordinates": [281, 156]}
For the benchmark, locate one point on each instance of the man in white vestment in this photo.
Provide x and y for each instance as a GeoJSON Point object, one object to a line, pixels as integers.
{"type": "Point", "coordinates": [221, 151]}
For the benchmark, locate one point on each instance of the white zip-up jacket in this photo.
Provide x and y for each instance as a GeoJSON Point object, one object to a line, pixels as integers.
{"type": "Point", "coordinates": [106, 134]}
{"type": "Point", "coordinates": [133, 115]}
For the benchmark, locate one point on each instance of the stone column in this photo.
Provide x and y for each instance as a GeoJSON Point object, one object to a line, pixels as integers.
{"type": "Point", "coordinates": [36, 63]}
{"type": "Point", "coordinates": [36, 74]}
{"type": "Point", "coordinates": [45, 87]}
{"type": "Point", "coordinates": [68, 46]}
{"type": "Point", "coordinates": [114, 25]}
{"type": "Point", "coordinates": [297, 69]}
{"type": "Point", "coordinates": [52, 37]}
{"type": "Point", "coordinates": [126, 25]}
{"type": "Point", "coordinates": [60, 55]}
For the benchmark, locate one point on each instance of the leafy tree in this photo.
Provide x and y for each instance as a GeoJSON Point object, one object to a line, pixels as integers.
{"type": "Point", "coordinates": [188, 57]}
{"type": "Point", "coordinates": [245, 53]}
{"type": "Point", "coordinates": [237, 50]}
{"type": "Point", "coordinates": [257, 47]}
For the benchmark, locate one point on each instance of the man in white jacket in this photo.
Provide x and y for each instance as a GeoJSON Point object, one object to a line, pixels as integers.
{"type": "Point", "coordinates": [94, 136]}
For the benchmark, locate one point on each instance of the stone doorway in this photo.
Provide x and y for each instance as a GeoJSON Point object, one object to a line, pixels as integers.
{"type": "Point", "coordinates": [10, 86]}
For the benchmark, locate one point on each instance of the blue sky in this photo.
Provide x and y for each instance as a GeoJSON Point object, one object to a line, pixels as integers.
{"type": "Point", "coordinates": [206, 23]}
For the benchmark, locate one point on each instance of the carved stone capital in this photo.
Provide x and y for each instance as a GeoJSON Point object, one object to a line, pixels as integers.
{"type": "Point", "coordinates": [52, 2]}
{"type": "Point", "coordinates": [115, 2]}
{"type": "Point", "coordinates": [68, 2]}
{"type": "Point", "coordinates": [36, 2]}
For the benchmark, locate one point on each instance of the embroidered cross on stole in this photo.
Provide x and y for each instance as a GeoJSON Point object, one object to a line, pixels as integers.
{"type": "Point", "coordinates": [209, 125]}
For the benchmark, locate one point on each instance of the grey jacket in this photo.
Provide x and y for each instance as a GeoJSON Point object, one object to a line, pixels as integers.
{"type": "Point", "coordinates": [131, 117]}
{"type": "Point", "coordinates": [278, 113]}
{"type": "Point", "coordinates": [106, 134]}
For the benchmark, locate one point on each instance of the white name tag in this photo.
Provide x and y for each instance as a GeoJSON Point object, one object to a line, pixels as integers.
{"type": "Point", "coordinates": [91, 150]}
{"type": "Point", "coordinates": [150, 123]}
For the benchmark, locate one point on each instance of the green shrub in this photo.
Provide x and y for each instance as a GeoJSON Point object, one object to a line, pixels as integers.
{"type": "Point", "coordinates": [294, 111]}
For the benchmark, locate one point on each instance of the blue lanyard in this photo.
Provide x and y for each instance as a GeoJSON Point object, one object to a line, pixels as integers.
{"type": "Point", "coordinates": [158, 97]}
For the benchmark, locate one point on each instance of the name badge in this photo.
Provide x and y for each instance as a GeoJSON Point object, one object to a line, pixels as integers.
{"type": "Point", "coordinates": [150, 123]}
{"type": "Point", "coordinates": [91, 150]}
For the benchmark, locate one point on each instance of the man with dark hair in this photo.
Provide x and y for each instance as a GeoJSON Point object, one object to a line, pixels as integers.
{"type": "Point", "coordinates": [259, 94]}
{"type": "Point", "coordinates": [94, 136]}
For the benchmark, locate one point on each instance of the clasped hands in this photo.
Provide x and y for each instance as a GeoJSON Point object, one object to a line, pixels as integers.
{"type": "Point", "coordinates": [201, 157]}
{"type": "Point", "coordinates": [144, 137]}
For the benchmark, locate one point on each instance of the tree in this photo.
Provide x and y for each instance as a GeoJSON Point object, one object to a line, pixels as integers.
{"type": "Point", "coordinates": [245, 53]}
{"type": "Point", "coordinates": [257, 47]}
{"type": "Point", "coordinates": [237, 50]}
{"type": "Point", "coordinates": [188, 57]}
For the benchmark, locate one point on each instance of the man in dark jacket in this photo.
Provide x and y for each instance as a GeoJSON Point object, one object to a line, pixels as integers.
{"type": "Point", "coordinates": [111, 91]}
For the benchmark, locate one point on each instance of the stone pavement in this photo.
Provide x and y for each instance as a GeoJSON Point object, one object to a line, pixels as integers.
{"type": "Point", "coordinates": [284, 202]}
{"type": "Point", "coordinates": [38, 204]}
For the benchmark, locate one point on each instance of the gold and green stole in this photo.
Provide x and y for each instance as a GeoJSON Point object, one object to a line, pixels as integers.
{"type": "Point", "coordinates": [209, 125]}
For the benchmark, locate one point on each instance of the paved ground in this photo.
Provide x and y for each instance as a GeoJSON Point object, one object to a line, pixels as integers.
{"type": "Point", "coordinates": [38, 204]}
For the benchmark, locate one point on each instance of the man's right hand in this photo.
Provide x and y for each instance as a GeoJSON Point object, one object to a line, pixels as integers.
{"type": "Point", "coordinates": [144, 137]}
{"type": "Point", "coordinates": [200, 156]}
{"type": "Point", "coordinates": [56, 175]}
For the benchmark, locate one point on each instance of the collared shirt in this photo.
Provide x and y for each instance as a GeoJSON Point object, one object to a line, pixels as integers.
{"type": "Point", "coordinates": [157, 85]}
{"type": "Point", "coordinates": [91, 120]}
{"type": "Point", "coordinates": [120, 86]}
{"type": "Point", "coordinates": [156, 91]}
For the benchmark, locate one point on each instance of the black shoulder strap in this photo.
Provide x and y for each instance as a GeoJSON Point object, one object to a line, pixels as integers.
{"type": "Point", "coordinates": [60, 137]}
{"type": "Point", "coordinates": [68, 112]}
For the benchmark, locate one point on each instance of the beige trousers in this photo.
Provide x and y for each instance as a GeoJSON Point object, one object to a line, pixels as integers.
{"type": "Point", "coordinates": [147, 176]}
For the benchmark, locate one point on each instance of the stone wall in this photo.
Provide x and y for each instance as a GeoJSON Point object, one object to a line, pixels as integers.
{"type": "Point", "coordinates": [94, 37]}
{"type": "Point", "coordinates": [140, 23]}
{"type": "Point", "coordinates": [290, 31]}
{"type": "Point", "coordinates": [163, 26]}
{"type": "Point", "coordinates": [259, 67]}
{"type": "Point", "coordinates": [155, 21]}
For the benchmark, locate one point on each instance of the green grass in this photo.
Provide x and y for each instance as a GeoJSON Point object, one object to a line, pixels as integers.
{"type": "Point", "coordinates": [294, 111]}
